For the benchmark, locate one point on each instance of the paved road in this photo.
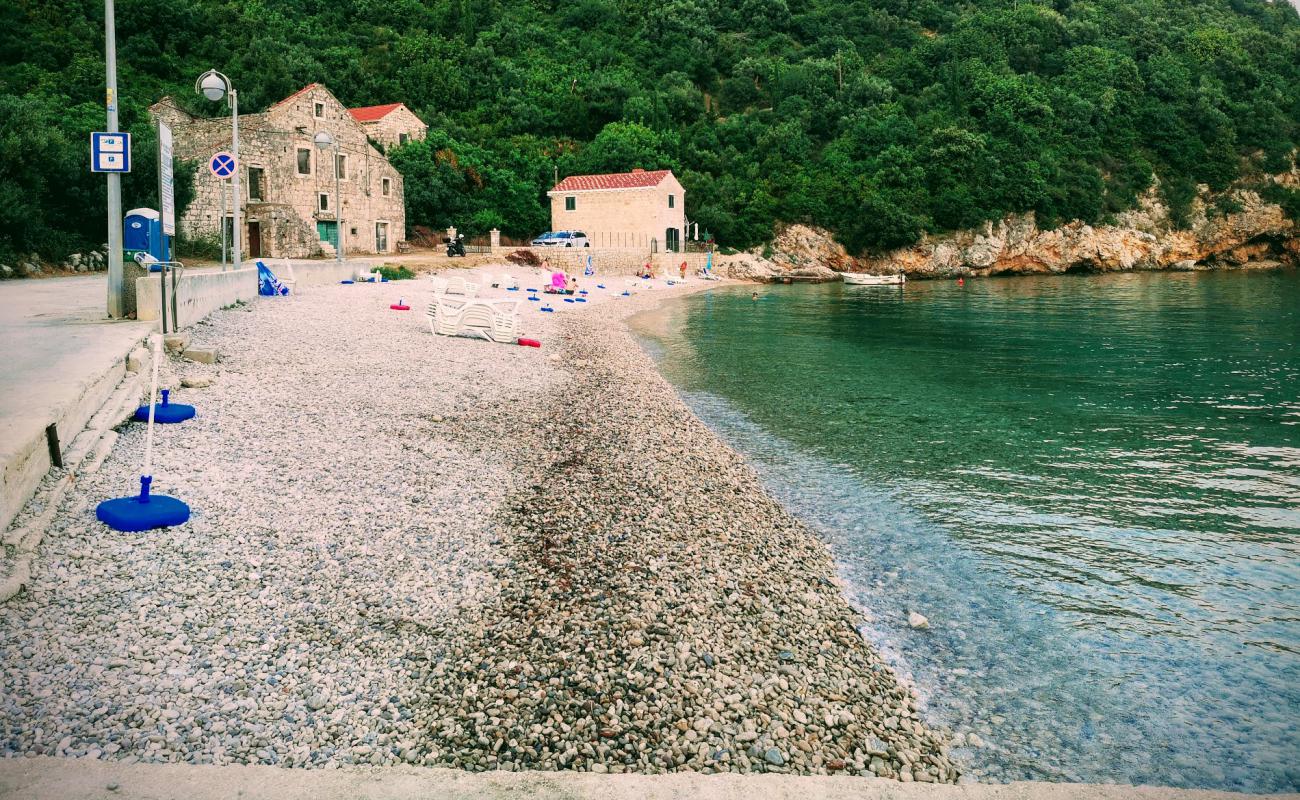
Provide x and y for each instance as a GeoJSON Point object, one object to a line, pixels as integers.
{"type": "Point", "coordinates": [57, 342]}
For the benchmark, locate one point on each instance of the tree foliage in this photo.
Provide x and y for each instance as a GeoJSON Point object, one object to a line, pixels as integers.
{"type": "Point", "coordinates": [880, 119]}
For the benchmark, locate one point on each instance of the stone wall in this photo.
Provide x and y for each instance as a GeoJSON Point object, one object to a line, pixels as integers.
{"type": "Point", "coordinates": [610, 261]}
{"type": "Point", "coordinates": [288, 210]}
{"type": "Point", "coordinates": [622, 218]}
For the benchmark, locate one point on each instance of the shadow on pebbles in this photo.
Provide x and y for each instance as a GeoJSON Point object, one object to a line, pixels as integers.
{"type": "Point", "coordinates": [659, 611]}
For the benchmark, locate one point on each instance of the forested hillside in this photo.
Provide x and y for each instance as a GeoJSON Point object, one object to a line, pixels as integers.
{"type": "Point", "coordinates": [879, 119]}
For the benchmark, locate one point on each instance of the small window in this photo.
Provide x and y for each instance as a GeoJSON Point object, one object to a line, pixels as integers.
{"type": "Point", "coordinates": [304, 161]}
{"type": "Point", "coordinates": [386, 186]}
{"type": "Point", "coordinates": [254, 183]}
{"type": "Point", "coordinates": [403, 138]}
{"type": "Point", "coordinates": [323, 201]}
{"type": "Point", "coordinates": [570, 203]}
{"type": "Point", "coordinates": [341, 166]}
{"type": "Point", "coordinates": [319, 110]}
{"type": "Point", "coordinates": [672, 201]}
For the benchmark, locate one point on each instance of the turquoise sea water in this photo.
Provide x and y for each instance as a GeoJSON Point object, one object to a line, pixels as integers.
{"type": "Point", "coordinates": [1090, 486]}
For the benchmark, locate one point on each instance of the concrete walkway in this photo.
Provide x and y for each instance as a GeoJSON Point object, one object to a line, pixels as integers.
{"type": "Point", "coordinates": [47, 778]}
{"type": "Point", "coordinates": [62, 358]}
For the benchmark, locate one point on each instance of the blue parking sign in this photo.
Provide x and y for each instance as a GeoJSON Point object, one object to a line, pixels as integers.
{"type": "Point", "coordinates": [110, 152]}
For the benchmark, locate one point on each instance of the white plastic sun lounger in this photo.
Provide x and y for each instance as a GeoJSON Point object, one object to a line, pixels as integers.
{"type": "Point", "coordinates": [439, 284]}
{"type": "Point", "coordinates": [493, 320]}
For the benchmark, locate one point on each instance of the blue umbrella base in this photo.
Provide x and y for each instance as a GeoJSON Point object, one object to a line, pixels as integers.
{"type": "Point", "coordinates": [165, 413]}
{"type": "Point", "coordinates": [130, 515]}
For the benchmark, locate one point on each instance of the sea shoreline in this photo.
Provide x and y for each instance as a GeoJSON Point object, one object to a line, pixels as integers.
{"type": "Point", "coordinates": [714, 605]}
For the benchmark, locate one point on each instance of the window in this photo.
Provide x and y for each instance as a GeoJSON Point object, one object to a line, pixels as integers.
{"type": "Point", "coordinates": [304, 161]}
{"type": "Point", "coordinates": [672, 201]}
{"type": "Point", "coordinates": [254, 183]}
{"type": "Point", "coordinates": [341, 166]}
{"type": "Point", "coordinates": [570, 203]}
{"type": "Point", "coordinates": [403, 138]}
{"type": "Point", "coordinates": [386, 186]}
{"type": "Point", "coordinates": [319, 110]}
{"type": "Point", "coordinates": [323, 201]}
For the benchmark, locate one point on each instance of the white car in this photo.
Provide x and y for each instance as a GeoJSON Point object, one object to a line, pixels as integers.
{"type": "Point", "coordinates": [562, 239]}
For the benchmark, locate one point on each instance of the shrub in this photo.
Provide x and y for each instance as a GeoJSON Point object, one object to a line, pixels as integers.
{"type": "Point", "coordinates": [396, 272]}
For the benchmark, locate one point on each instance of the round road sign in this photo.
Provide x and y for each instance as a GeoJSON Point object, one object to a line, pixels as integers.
{"type": "Point", "coordinates": [222, 165]}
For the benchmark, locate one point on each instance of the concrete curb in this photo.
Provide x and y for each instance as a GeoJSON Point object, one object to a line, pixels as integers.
{"type": "Point", "coordinates": [45, 778]}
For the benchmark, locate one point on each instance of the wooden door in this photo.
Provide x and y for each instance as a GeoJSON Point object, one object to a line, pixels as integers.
{"type": "Point", "coordinates": [254, 239]}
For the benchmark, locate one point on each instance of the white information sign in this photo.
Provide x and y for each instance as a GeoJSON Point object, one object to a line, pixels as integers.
{"type": "Point", "coordinates": [166, 181]}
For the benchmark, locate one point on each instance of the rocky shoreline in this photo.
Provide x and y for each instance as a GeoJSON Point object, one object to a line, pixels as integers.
{"type": "Point", "coordinates": [661, 612]}
{"type": "Point", "coordinates": [431, 551]}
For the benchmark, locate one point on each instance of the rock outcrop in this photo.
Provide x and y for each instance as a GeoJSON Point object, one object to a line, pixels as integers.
{"type": "Point", "coordinates": [1253, 233]}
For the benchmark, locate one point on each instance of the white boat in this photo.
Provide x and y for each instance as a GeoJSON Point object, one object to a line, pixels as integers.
{"type": "Point", "coordinates": [863, 279]}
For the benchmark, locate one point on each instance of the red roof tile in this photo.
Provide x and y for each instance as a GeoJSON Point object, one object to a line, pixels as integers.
{"type": "Point", "coordinates": [636, 179]}
{"type": "Point", "coordinates": [295, 94]}
{"type": "Point", "coordinates": [372, 113]}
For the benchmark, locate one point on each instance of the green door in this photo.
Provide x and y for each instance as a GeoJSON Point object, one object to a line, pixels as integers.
{"type": "Point", "coordinates": [328, 232]}
{"type": "Point", "coordinates": [672, 240]}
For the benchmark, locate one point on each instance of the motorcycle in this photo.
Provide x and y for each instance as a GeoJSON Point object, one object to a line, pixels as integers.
{"type": "Point", "coordinates": [456, 247]}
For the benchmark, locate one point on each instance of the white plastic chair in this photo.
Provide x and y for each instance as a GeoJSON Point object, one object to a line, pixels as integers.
{"type": "Point", "coordinates": [444, 316]}
{"type": "Point", "coordinates": [462, 287]}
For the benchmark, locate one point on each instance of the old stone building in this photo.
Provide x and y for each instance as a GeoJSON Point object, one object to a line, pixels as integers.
{"type": "Point", "coordinates": [288, 198]}
{"type": "Point", "coordinates": [636, 209]}
{"type": "Point", "coordinates": [391, 125]}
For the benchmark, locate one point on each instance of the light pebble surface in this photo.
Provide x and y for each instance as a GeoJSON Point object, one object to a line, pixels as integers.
{"type": "Point", "coordinates": [416, 549]}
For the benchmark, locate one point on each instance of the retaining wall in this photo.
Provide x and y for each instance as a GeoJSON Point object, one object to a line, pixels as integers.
{"type": "Point", "coordinates": [197, 294]}
{"type": "Point", "coordinates": [610, 260]}
{"type": "Point", "coordinates": [320, 273]}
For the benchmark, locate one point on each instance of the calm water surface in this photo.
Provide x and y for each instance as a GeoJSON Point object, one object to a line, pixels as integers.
{"type": "Point", "coordinates": [1089, 485]}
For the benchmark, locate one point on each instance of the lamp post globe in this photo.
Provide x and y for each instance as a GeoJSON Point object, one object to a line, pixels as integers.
{"type": "Point", "coordinates": [215, 86]}
{"type": "Point", "coordinates": [325, 141]}
{"type": "Point", "coordinates": [212, 85]}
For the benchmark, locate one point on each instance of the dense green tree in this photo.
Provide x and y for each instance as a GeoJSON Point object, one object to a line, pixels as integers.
{"type": "Point", "coordinates": [881, 119]}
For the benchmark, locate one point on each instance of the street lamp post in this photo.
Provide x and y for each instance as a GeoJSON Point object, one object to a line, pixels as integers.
{"type": "Point", "coordinates": [215, 86]}
{"type": "Point", "coordinates": [326, 142]}
{"type": "Point", "coordinates": [116, 272]}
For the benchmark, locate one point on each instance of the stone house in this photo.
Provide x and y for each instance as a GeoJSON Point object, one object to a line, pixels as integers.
{"type": "Point", "coordinates": [637, 209]}
{"type": "Point", "coordinates": [289, 207]}
{"type": "Point", "coordinates": [391, 125]}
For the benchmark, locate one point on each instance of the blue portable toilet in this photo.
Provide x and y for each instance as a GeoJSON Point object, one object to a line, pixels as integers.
{"type": "Point", "coordinates": [142, 233]}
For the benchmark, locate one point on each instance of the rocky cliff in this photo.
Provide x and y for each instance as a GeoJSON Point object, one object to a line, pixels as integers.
{"type": "Point", "coordinates": [1251, 232]}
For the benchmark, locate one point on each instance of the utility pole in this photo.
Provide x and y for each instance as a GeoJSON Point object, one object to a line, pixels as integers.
{"type": "Point", "coordinates": [116, 273]}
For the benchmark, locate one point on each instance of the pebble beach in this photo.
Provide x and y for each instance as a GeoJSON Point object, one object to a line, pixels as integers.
{"type": "Point", "coordinates": [414, 549]}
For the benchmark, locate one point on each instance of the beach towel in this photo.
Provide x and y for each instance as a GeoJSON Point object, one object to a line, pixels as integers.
{"type": "Point", "coordinates": [267, 284]}
{"type": "Point", "coordinates": [557, 281]}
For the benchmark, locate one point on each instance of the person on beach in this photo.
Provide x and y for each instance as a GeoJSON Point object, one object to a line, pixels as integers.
{"type": "Point", "coordinates": [570, 284]}
{"type": "Point", "coordinates": [683, 270]}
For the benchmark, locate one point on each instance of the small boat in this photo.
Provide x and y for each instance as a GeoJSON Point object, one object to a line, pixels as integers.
{"type": "Point", "coordinates": [863, 279]}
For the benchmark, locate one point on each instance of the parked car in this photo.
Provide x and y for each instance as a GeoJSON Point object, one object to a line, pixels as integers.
{"type": "Point", "coordinates": [562, 239]}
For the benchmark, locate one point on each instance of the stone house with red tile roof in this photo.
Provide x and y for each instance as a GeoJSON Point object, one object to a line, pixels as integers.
{"type": "Point", "coordinates": [289, 208]}
{"type": "Point", "coordinates": [391, 125]}
{"type": "Point", "coordinates": [637, 209]}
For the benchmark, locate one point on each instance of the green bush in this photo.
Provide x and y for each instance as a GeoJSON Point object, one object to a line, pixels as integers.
{"type": "Point", "coordinates": [396, 272]}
